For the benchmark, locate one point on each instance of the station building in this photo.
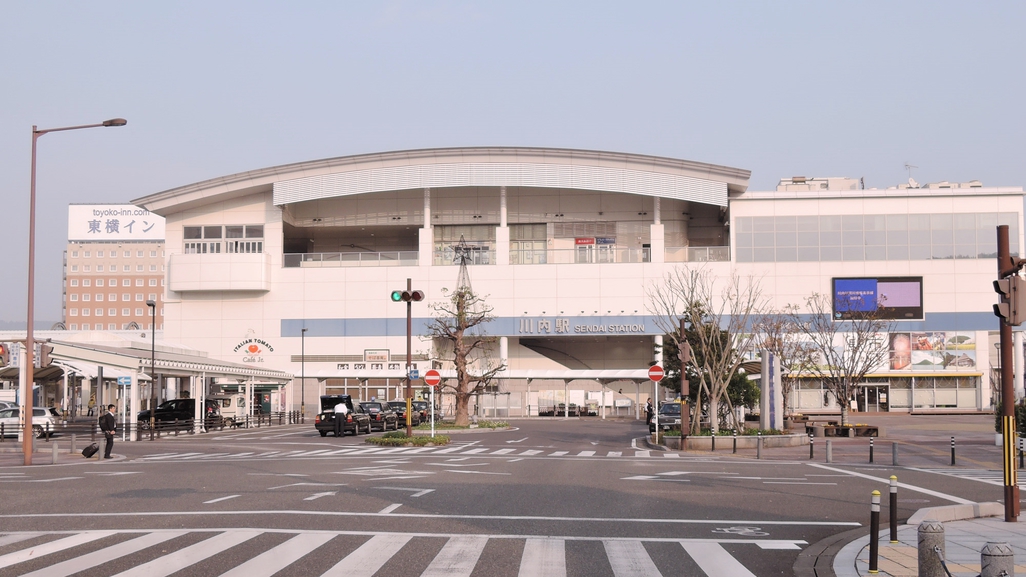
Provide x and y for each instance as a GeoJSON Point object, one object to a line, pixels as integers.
{"type": "Point", "coordinates": [291, 267]}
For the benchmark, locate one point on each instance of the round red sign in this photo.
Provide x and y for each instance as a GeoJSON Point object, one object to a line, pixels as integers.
{"type": "Point", "coordinates": [432, 378]}
{"type": "Point", "coordinates": [655, 373]}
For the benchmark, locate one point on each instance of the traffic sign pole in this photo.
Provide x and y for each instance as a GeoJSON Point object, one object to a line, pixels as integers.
{"type": "Point", "coordinates": [432, 379]}
{"type": "Point", "coordinates": [655, 373]}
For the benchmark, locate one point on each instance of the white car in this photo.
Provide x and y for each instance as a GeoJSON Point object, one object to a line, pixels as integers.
{"type": "Point", "coordinates": [42, 419]}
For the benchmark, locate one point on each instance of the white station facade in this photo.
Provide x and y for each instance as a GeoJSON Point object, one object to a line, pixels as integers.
{"type": "Point", "coordinates": [290, 268]}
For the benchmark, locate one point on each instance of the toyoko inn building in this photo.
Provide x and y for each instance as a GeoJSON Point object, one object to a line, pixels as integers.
{"type": "Point", "coordinates": [291, 268]}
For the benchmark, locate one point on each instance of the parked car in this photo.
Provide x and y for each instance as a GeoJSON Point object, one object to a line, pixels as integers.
{"type": "Point", "coordinates": [232, 408]}
{"type": "Point", "coordinates": [357, 420]}
{"type": "Point", "coordinates": [669, 417]}
{"type": "Point", "coordinates": [42, 420]}
{"type": "Point", "coordinates": [424, 408]}
{"type": "Point", "coordinates": [380, 415]}
{"type": "Point", "coordinates": [7, 404]}
{"type": "Point", "coordinates": [399, 408]}
{"type": "Point", "coordinates": [182, 411]}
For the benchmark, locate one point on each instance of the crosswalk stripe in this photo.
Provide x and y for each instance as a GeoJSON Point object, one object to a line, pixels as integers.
{"type": "Point", "coordinates": [671, 455]}
{"type": "Point", "coordinates": [457, 558]}
{"type": "Point", "coordinates": [630, 559]}
{"type": "Point", "coordinates": [90, 560]}
{"type": "Point", "coordinates": [642, 453]}
{"type": "Point", "coordinates": [277, 558]}
{"type": "Point", "coordinates": [586, 454]}
{"type": "Point", "coordinates": [476, 451]}
{"type": "Point", "coordinates": [715, 561]}
{"type": "Point", "coordinates": [558, 453]}
{"type": "Point", "coordinates": [369, 557]}
{"type": "Point", "coordinates": [543, 558]}
{"type": "Point", "coordinates": [530, 452]}
{"type": "Point", "coordinates": [9, 539]}
{"type": "Point", "coordinates": [51, 547]}
{"type": "Point", "coordinates": [451, 449]}
{"type": "Point", "coordinates": [168, 564]}
{"type": "Point", "coordinates": [614, 454]}
{"type": "Point", "coordinates": [503, 451]}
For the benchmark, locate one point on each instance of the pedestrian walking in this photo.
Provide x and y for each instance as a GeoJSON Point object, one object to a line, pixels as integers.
{"type": "Point", "coordinates": [92, 406]}
{"type": "Point", "coordinates": [341, 410]}
{"type": "Point", "coordinates": [109, 425]}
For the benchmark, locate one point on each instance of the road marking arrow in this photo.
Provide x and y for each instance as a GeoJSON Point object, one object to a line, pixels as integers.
{"type": "Point", "coordinates": [518, 440]}
{"type": "Point", "coordinates": [319, 495]}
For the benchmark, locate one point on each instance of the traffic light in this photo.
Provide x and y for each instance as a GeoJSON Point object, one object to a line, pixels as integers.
{"type": "Point", "coordinates": [1012, 308]}
{"type": "Point", "coordinates": [44, 355]}
{"type": "Point", "coordinates": [684, 353]}
{"type": "Point", "coordinates": [407, 296]}
{"type": "Point", "coordinates": [5, 355]}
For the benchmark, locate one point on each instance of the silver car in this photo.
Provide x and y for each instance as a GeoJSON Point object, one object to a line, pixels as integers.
{"type": "Point", "coordinates": [42, 420]}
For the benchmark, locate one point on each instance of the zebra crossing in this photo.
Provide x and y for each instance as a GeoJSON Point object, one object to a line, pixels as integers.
{"type": "Point", "coordinates": [265, 552]}
{"type": "Point", "coordinates": [991, 477]}
{"type": "Point", "coordinates": [358, 451]}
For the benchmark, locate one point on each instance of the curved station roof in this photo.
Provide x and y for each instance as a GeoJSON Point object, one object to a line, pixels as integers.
{"type": "Point", "coordinates": [556, 168]}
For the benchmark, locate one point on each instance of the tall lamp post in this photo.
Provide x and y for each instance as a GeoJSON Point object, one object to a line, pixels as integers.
{"type": "Point", "coordinates": [30, 343]}
{"type": "Point", "coordinates": [302, 376]}
{"type": "Point", "coordinates": [153, 365]}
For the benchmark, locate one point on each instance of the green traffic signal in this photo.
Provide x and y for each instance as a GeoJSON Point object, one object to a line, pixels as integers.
{"type": "Point", "coordinates": [397, 296]}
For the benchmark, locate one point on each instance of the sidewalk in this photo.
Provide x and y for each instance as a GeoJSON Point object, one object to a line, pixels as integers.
{"type": "Point", "coordinates": [963, 542]}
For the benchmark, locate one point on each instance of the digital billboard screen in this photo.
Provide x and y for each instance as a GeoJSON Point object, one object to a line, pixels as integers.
{"type": "Point", "coordinates": [895, 298]}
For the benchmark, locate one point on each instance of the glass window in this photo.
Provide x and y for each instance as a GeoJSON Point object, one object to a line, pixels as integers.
{"type": "Point", "coordinates": [233, 231]}
{"type": "Point", "coordinates": [112, 297]}
{"type": "Point", "coordinates": [192, 232]}
{"type": "Point", "coordinates": [99, 268]}
{"type": "Point", "coordinates": [786, 239]}
{"type": "Point", "coordinates": [73, 312]}
{"type": "Point", "coordinates": [808, 238]}
{"type": "Point", "coordinates": [138, 282]}
{"type": "Point", "coordinates": [74, 282]}
{"type": "Point", "coordinates": [854, 253]}
{"type": "Point", "coordinates": [86, 268]}
{"type": "Point", "coordinates": [99, 254]}
{"type": "Point", "coordinates": [808, 253]}
{"type": "Point", "coordinates": [86, 254]}
{"type": "Point", "coordinates": [138, 268]}
{"type": "Point", "coordinates": [211, 232]}
{"type": "Point", "coordinates": [942, 251]}
{"type": "Point", "coordinates": [74, 254]}
{"type": "Point", "coordinates": [853, 237]}
{"type": "Point", "coordinates": [126, 312]}
{"type": "Point", "coordinates": [744, 239]}
{"type": "Point", "coordinates": [153, 253]}
{"type": "Point", "coordinates": [87, 297]}
{"type": "Point", "coordinates": [112, 312]}
{"type": "Point", "coordinates": [126, 297]}
{"type": "Point", "coordinates": [940, 222]}
{"type": "Point", "coordinates": [255, 231]}
{"type": "Point", "coordinates": [762, 224]}
{"type": "Point", "coordinates": [829, 253]}
{"type": "Point", "coordinates": [128, 254]}
{"type": "Point", "coordinates": [744, 254]}
{"type": "Point", "coordinates": [851, 222]}
{"type": "Point", "coordinates": [87, 282]}
{"type": "Point", "coordinates": [74, 268]}
{"type": "Point", "coordinates": [98, 312]}
{"type": "Point", "coordinates": [139, 254]}
{"type": "Point", "coordinates": [897, 252]}
{"type": "Point", "coordinates": [965, 221]}
{"type": "Point", "coordinates": [874, 222]}
{"type": "Point", "coordinates": [99, 282]}
{"type": "Point", "coordinates": [153, 282]}
{"type": "Point", "coordinates": [919, 222]}
{"type": "Point", "coordinates": [744, 224]}
{"type": "Point", "coordinates": [829, 237]}
{"type": "Point", "coordinates": [876, 237]}
{"type": "Point", "coordinates": [763, 254]}
{"type": "Point", "coordinates": [99, 297]}
{"type": "Point", "coordinates": [876, 252]}
{"type": "Point", "coordinates": [787, 254]}
{"type": "Point", "coordinates": [126, 282]}
{"type": "Point", "coordinates": [74, 298]}
{"type": "Point", "coordinates": [138, 312]}
{"type": "Point", "coordinates": [785, 223]}
{"type": "Point", "coordinates": [919, 252]}
{"type": "Point", "coordinates": [807, 223]}
{"type": "Point", "coordinates": [138, 297]}
{"type": "Point", "coordinates": [832, 222]}
{"type": "Point", "coordinates": [762, 239]}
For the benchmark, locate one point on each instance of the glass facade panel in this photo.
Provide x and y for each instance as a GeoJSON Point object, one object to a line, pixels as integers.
{"type": "Point", "coordinates": [808, 254]}
{"type": "Point", "coordinates": [787, 254]}
{"type": "Point", "coordinates": [876, 253]}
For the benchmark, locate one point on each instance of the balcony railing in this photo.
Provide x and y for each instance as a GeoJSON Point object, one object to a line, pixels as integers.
{"type": "Point", "coordinates": [590, 255]}
{"type": "Point", "coordinates": [698, 254]}
{"type": "Point", "coordinates": [339, 259]}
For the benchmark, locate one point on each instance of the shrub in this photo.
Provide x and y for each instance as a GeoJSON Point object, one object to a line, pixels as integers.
{"type": "Point", "coordinates": [399, 439]}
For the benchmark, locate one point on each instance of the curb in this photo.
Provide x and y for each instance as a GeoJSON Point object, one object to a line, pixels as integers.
{"type": "Point", "coordinates": [956, 512]}
{"type": "Point", "coordinates": [817, 560]}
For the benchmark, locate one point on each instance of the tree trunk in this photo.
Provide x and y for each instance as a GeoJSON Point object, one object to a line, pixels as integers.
{"type": "Point", "coordinates": [462, 409]}
{"type": "Point", "coordinates": [714, 414]}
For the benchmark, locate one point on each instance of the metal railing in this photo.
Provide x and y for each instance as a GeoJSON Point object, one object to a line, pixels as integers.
{"type": "Point", "coordinates": [340, 259]}
{"type": "Point", "coordinates": [698, 254]}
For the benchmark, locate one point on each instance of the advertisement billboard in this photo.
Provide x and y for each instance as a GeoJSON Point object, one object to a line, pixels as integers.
{"type": "Point", "coordinates": [113, 222]}
{"type": "Point", "coordinates": [893, 298]}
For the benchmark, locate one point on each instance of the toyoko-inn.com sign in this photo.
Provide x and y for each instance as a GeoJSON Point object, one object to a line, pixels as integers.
{"type": "Point", "coordinates": [113, 222]}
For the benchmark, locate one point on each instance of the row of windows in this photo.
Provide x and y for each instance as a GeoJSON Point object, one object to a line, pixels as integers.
{"type": "Point", "coordinates": [114, 268]}
{"type": "Point", "coordinates": [114, 282]}
{"type": "Point", "coordinates": [99, 326]}
{"type": "Point", "coordinates": [112, 297]}
{"type": "Point", "coordinates": [111, 312]}
{"type": "Point", "coordinates": [871, 237]}
{"type": "Point", "coordinates": [114, 254]}
{"type": "Point", "coordinates": [219, 232]}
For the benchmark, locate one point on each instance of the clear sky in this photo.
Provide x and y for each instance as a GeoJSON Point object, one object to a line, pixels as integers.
{"type": "Point", "coordinates": [213, 88]}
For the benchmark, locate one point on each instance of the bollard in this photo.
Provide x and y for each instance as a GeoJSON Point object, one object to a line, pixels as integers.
{"type": "Point", "coordinates": [931, 541]}
{"type": "Point", "coordinates": [735, 442]}
{"type": "Point", "coordinates": [2, 435]}
{"type": "Point", "coordinates": [74, 446]}
{"type": "Point", "coordinates": [874, 533]}
{"type": "Point", "coordinates": [53, 457]}
{"type": "Point", "coordinates": [758, 447]}
{"type": "Point", "coordinates": [952, 451]}
{"type": "Point", "coordinates": [713, 445]}
{"type": "Point", "coordinates": [996, 560]}
{"type": "Point", "coordinates": [176, 427]}
{"type": "Point", "coordinates": [812, 446]}
{"type": "Point", "coordinates": [92, 433]}
{"type": "Point", "coordinates": [829, 451]}
{"type": "Point", "coordinates": [47, 432]}
{"type": "Point", "coordinates": [894, 454]}
{"type": "Point", "coordinates": [1020, 453]}
{"type": "Point", "coordinates": [871, 450]}
{"type": "Point", "coordinates": [893, 509]}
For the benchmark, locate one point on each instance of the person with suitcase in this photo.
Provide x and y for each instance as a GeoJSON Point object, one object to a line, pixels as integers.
{"type": "Point", "coordinates": [108, 424]}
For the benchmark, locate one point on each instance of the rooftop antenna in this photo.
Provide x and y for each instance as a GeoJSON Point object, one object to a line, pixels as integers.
{"type": "Point", "coordinates": [911, 181]}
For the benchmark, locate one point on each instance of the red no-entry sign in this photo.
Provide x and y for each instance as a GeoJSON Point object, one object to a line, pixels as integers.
{"type": "Point", "coordinates": [655, 373]}
{"type": "Point", "coordinates": [432, 378]}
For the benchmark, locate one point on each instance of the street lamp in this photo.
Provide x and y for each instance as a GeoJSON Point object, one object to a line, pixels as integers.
{"type": "Point", "coordinates": [153, 365]}
{"type": "Point", "coordinates": [30, 343]}
{"type": "Point", "coordinates": [302, 377]}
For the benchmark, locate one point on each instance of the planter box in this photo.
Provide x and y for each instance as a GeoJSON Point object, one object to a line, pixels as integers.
{"type": "Point", "coordinates": [746, 442]}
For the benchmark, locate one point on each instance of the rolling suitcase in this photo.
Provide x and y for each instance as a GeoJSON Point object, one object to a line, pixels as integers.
{"type": "Point", "coordinates": [90, 450]}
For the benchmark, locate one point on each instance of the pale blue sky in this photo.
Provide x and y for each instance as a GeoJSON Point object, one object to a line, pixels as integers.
{"type": "Point", "coordinates": [214, 88]}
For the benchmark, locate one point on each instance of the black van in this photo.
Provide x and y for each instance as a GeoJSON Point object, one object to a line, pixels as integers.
{"type": "Point", "coordinates": [182, 411]}
{"type": "Point", "coordinates": [357, 420]}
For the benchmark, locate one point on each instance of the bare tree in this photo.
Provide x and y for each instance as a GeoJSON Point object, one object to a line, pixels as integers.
{"type": "Point", "coordinates": [780, 334]}
{"type": "Point", "coordinates": [849, 343]}
{"type": "Point", "coordinates": [719, 314]}
{"type": "Point", "coordinates": [459, 323]}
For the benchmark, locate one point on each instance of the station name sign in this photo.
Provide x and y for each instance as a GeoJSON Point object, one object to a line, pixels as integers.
{"type": "Point", "coordinates": [561, 326]}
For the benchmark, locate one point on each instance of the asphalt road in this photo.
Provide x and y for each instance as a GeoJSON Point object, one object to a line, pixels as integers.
{"type": "Point", "coordinates": [548, 497]}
